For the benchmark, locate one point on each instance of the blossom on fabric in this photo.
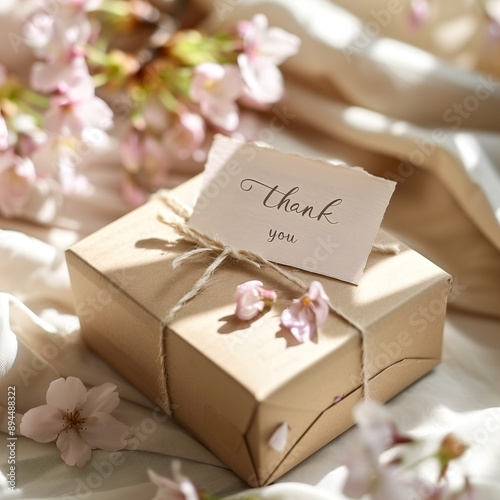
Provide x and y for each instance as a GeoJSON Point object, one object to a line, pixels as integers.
{"type": "Point", "coordinates": [492, 9]}
{"type": "Point", "coordinates": [419, 12]}
{"type": "Point", "coordinates": [77, 419]}
{"type": "Point", "coordinates": [264, 49]}
{"type": "Point", "coordinates": [251, 298]}
{"type": "Point", "coordinates": [377, 427]}
{"type": "Point", "coordinates": [306, 313]}
{"type": "Point", "coordinates": [17, 176]}
{"type": "Point", "coordinates": [216, 87]}
{"type": "Point", "coordinates": [367, 476]}
{"type": "Point", "coordinates": [366, 473]}
{"type": "Point", "coordinates": [178, 488]}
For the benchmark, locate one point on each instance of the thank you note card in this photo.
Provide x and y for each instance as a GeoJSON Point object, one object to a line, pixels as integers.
{"type": "Point", "coordinates": [292, 210]}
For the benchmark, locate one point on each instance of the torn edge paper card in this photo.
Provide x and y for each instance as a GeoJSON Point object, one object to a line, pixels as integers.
{"type": "Point", "coordinates": [301, 212]}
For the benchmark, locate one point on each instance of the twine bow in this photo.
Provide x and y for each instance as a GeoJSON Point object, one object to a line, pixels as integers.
{"type": "Point", "coordinates": [207, 244]}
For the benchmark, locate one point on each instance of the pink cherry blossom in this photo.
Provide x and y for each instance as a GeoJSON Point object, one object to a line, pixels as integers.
{"type": "Point", "coordinates": [154, 117]}
{"type": "Point", "coordinates": [38, 31]}
{"type": "Point", "coordinates": [67, 116]}
{"type": "Point", "coordinates": [58, 36]}
{"type": "Point", "coordinates": [178, 488]}
{"type": "Point", "coordinates": [186, 135]}
{"type": "Point", "coordinates": [154, 161]}
{"type": "Point", "coordinates": [58, 157]}
{"type": "Point", "coordinates": [367, 474]}
{"type": "Point", "coordinates": [77, 419]}
{"type": "Point", "coordinates": [69, 77]}
{"type": "Point", "coordinates": [377, 427]}
{"type": "Point", "coordinates": [144, 155]}
{"type": "Point", "coordinates": [419, 13]}
{"type": "Point", "coordinates": [251, 298]}
{"type": "Point", "coordinates": [27, 135]}
{"type": "Point", "coordinates": [492, 9]}
{"type": "Point", "coordinates": [56, 153]}
{"type": "Point", "coordinates": [216, 88]}
{"type": "Point", "coordinates": [249, 127]}
{"type": "Point", "coordinates": [134, 195]}
{"type": "Point", "coordinates": [131, 151]}
{"type": "Point", "coordinates": [4, 134]}
{"type": "Point", "coordinates": [17, 176]}
{"type": "Point", "coordinates": [263, 50]}
{"type": "Point", "coordinates": [306, 313]}
{"type": "Point", "coordinates": [77, 5]}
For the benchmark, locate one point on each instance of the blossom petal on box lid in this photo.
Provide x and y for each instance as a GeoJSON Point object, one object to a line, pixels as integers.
{"type": "Point", "coordinates": [279, 438]}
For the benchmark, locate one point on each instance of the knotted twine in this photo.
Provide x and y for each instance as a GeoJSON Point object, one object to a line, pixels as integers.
{"type": "Point", "coordinates": [207, 244]}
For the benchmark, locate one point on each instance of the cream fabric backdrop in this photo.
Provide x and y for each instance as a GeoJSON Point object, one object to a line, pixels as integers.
{"type": "Point", "coordinates": [366, 103]}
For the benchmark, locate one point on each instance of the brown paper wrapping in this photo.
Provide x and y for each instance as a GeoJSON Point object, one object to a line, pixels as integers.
{"type": "Point", "coordinates": [232, 383]}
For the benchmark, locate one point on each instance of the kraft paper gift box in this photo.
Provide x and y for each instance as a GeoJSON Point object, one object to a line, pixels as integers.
{"type": "Point", "coordinates": [232, 383]}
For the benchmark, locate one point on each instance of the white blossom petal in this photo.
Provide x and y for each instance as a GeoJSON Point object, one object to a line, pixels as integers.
{"type": "Point", "coordinates": [264, 81]}
{"type": "Point", "coordinates": [67, 394]}
{"type": "Point", "coordinates": [74, 450]}
{"type": "Point", "coordinates": [278, 45]}
{"type": "Point", "coordinates": [102, 398]}
{"type": "Point", "coordinates": [279, 439]}
{"type": "Point", "coordinates": [180, 488]}
{"type": "Point", "coordinates": [376, 425]}
{"type": "Point", "coordinates": [103, 431]}
{"type": "Point", "coordinates": [222, 113]}
{"type": "Point", "coordinates": [43, 423]}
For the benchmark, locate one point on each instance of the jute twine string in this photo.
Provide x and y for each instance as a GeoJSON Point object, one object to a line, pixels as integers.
{"type": "Point", "coordinates": [207, 244]}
